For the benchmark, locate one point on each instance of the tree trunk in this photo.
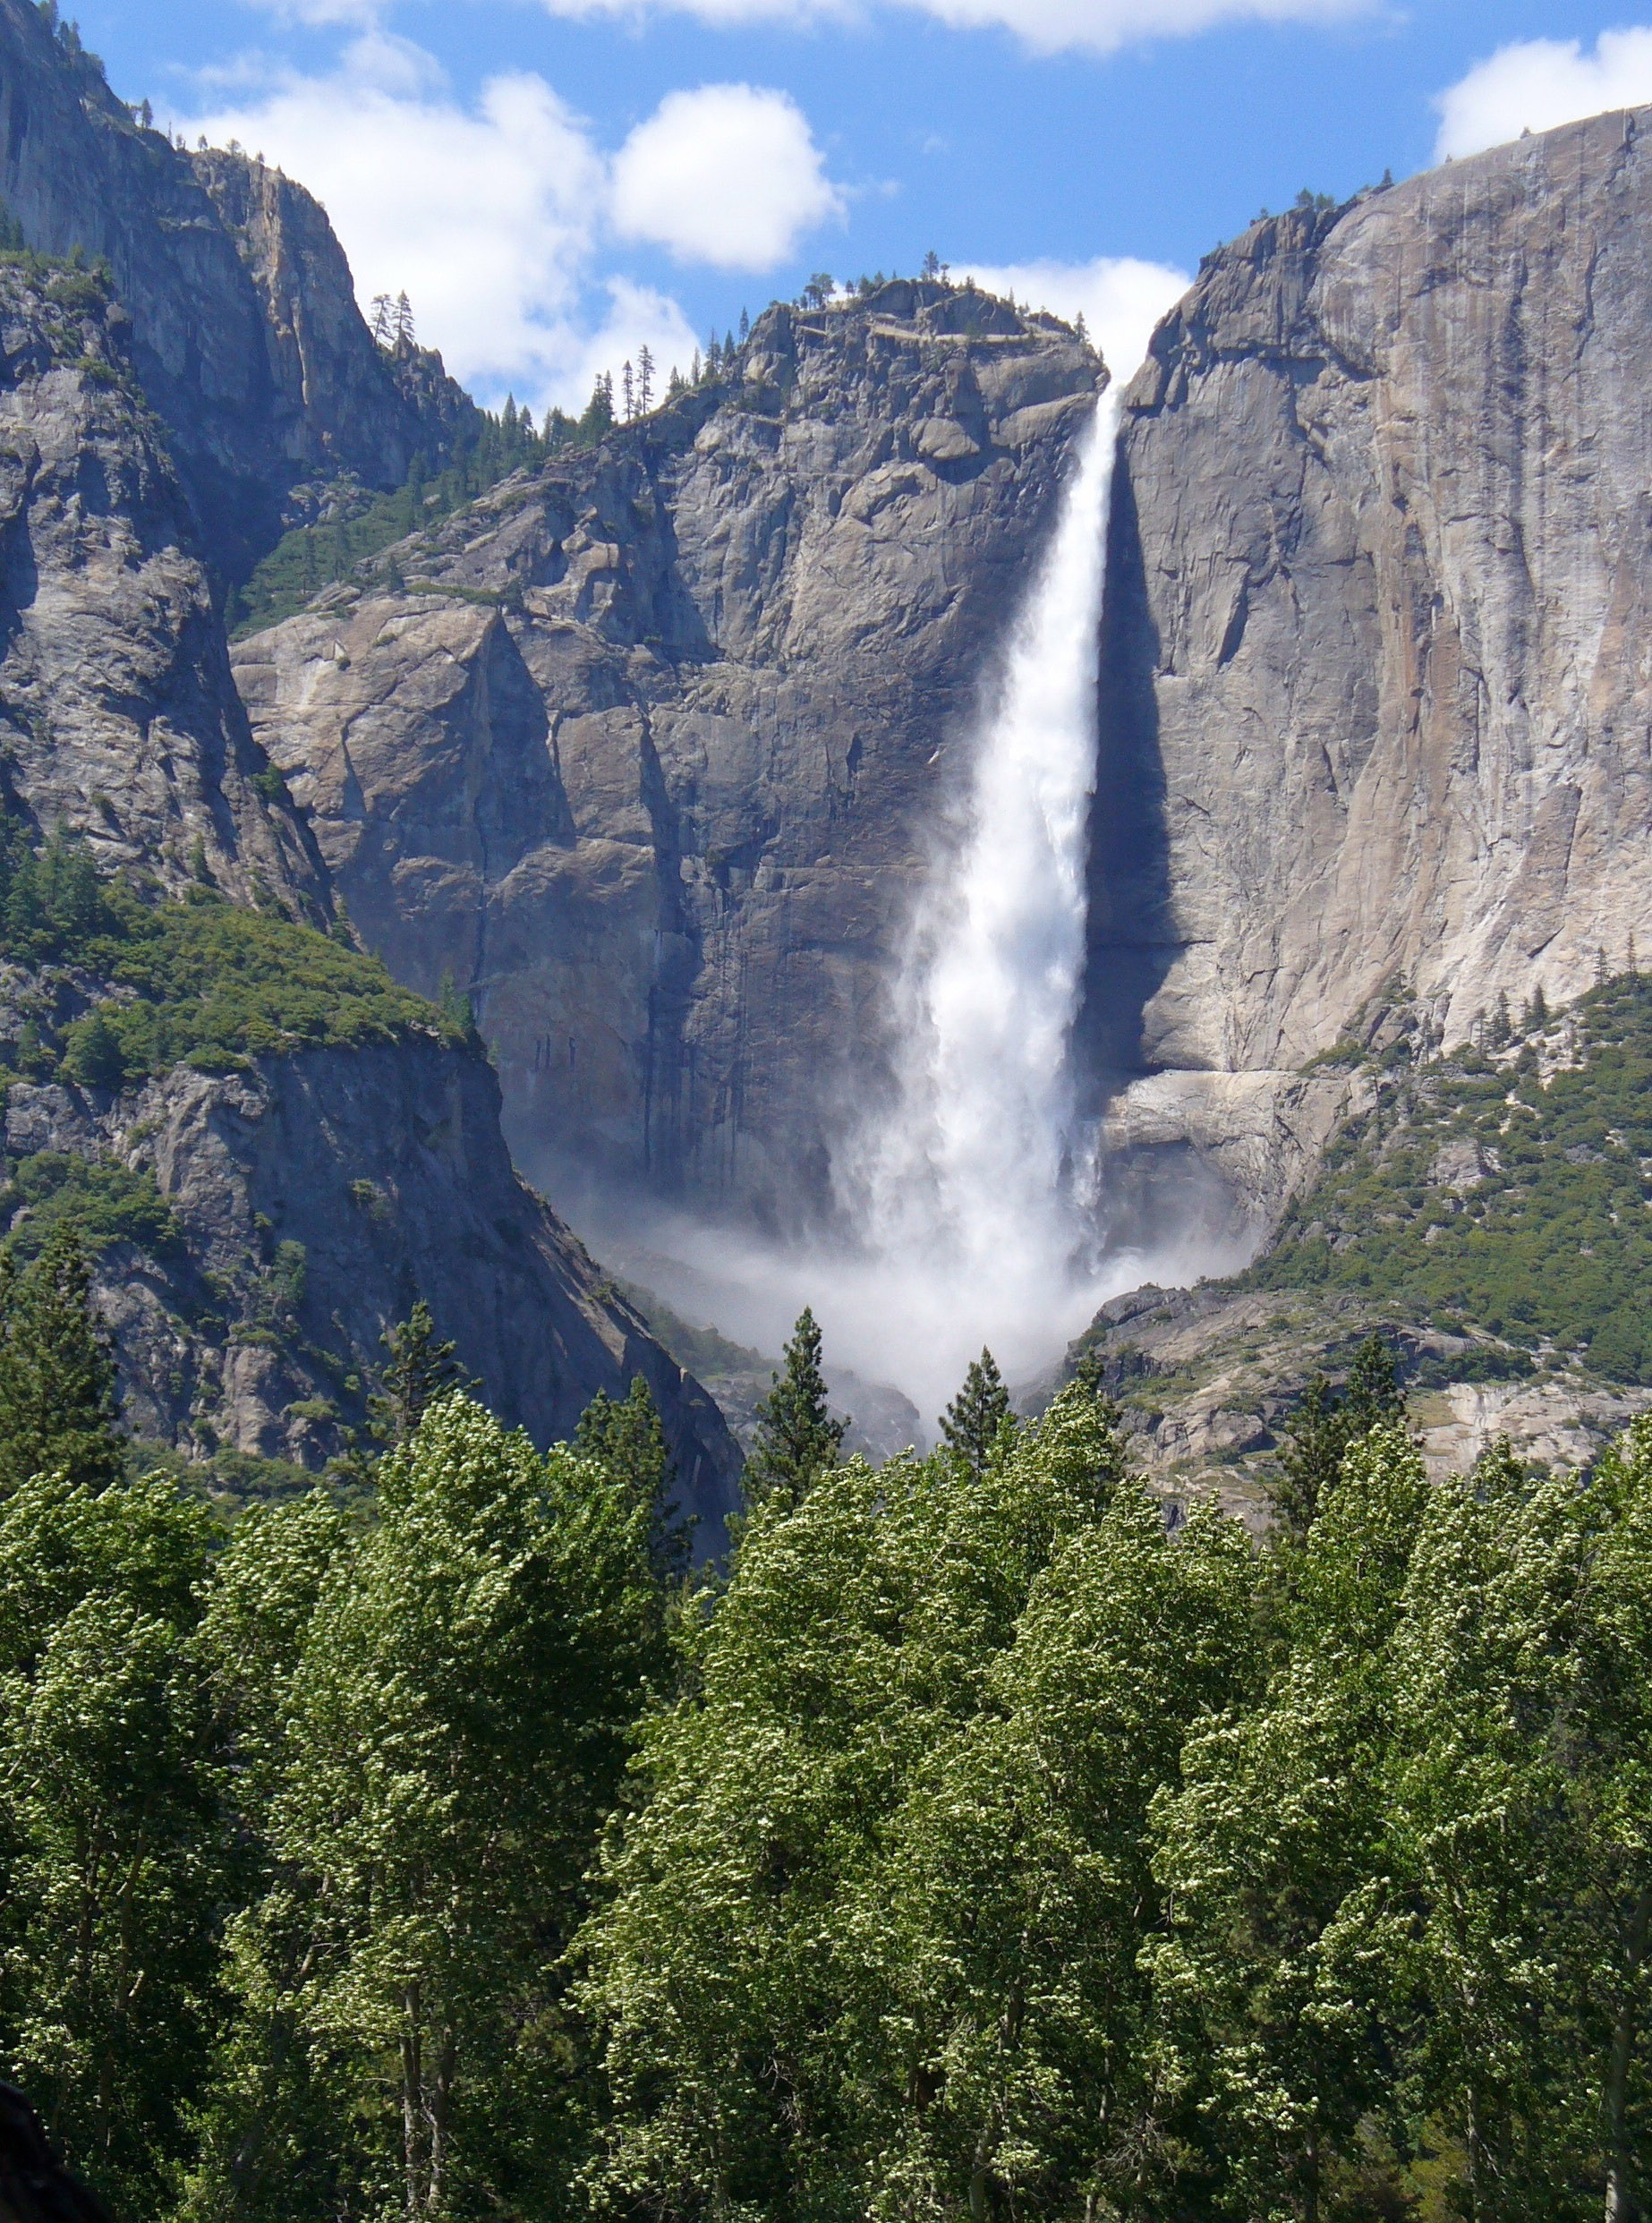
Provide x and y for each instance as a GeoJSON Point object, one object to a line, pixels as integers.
{"type": "Point", "coordinates": [1621, 2203]}
{"type": "Point", "coordinates": [412, 2105]}
{"type": "Point", "coordinates": [441, 2109]}
{"type": "Point", "coordinates": [1310, 2202]}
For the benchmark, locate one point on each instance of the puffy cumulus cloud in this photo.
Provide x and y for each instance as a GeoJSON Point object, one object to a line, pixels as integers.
{"type": "Point", "coordinates": [485, 218]}
{"type": "Point", "coordinates": [492, 217]}
{"type": "Point", "coordinates": [1046, 26]}
{"type": "Point", "coordinates": [728, 174]}
{"type": "Point", "coordinates": [1120, 298]}
{"type": "Point", "coordinates": [1537, 83]}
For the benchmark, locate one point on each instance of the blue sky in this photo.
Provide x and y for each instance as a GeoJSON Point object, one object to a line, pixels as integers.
{"type": "Point", "coordinates": [554, 187]}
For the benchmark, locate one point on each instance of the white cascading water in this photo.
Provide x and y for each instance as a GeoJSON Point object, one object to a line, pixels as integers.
{"type": "Point", "coordinates": [972, 1165]}
{"type": "Point", "coordinates": [966, 1193]}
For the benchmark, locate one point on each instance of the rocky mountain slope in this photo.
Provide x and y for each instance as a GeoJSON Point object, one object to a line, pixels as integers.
{"type": "Point", "coordinates": [118, 716]}
{"type": "Point", "coordinates": [272, 1183]}
{"type": "Point", "coordinates": [275, 1153]}
{"type": "Point", "coordinates": [1376, 695]}
{"type": "Point", "coordinates": [246, 336]}
{"type": "Point", "coordinates": [648, 750]}
{"type": "Point", "coordinates": [1484, 1207]}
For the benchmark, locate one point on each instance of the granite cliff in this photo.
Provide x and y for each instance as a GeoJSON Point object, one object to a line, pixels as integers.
{"type": "Point", "coordinates": [293, 1195]}
{"type": "Point", "coordinates": [647, 750]}
{"type": "Point", "coordinates": [118, 716]}
{"type": "Point", "coordinates": [309, 1201]}
{"type": "Point", "coordinates": [1375, 700]}
{"type": "Point", "coordinates": [245, 333]}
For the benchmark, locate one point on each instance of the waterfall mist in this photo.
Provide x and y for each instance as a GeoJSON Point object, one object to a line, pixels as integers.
{"type": "Point", "coordinates": [968, 1194]}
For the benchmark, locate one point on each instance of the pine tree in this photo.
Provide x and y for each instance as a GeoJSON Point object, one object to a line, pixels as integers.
{"type": "Point", "coordinates": [404, 323]}
{"type": "Point", "coordinates": [421, 1369]}
{"type": "Point", "coordinates": [624, 1437]}
{"type": "Point", "coordinates": [1323, 1428]}
{"type": "Point", "coordinates": [644, 380]}
{"type": "Point", "coordinates": [627, 387]}
{"type": "Point", "coordinates": [1537, 1011]}
{"type": "Point", "coordinates": [1501, 1028]}
{"type": "Point", "coordinates": [796, 1439]}
{"type": "Point", "coordinates": [745, 327]}
{"type": "Point", "coordinates": [57, 1388]}
{"type": "Point", "coordinates": [599, 417]}
{"type": "Point", "coordinates": [971, 1424]}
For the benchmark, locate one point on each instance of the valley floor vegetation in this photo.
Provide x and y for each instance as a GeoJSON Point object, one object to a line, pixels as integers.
{"type": "Point", "coordinates": [972, 1842]}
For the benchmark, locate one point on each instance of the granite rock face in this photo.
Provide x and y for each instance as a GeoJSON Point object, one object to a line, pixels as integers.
{"type": "Point", "coordinates": [118, 716]}
{"type": "Point", "coordinates": [316, 1198]}
{"type": "Point", "coordinates": [1378, 692]}
{"type": "Point", "coordinates": [245, 333]}
{"type": "Point", "coordinates": [646, 751]}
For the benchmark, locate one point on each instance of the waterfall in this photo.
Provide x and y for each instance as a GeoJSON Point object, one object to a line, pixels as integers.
{"type": "Point", "coordinates": [972, 1168]}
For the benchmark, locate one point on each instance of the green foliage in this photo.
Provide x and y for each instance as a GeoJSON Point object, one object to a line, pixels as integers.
{"type": "Point", "coordinates": [796, 1439]}
{"type": "Point", "coordinates": [103, 1201]}
{"type": "Point", "coordinates": [457, 1690]}
{"type": "Point", "coordinates": [973, 1422]}
{"type": "Point", "coordinates": [109, 1837]}
{"type": "Point", "coordinates": [870, 1942]}
{"type": "Point", "coordinates": [311, 557]}
{"type": "Point", "coordinates": [205, 981]}
{"type": "Point", "coordinates": [1323, 1426]}
{"type": "Point", "coordinates": [626, 1439]}
{"type": "Point", "coordinates": [1544, 1234]}
{"type": "Point", "coordinates": [56, 1373]}
{"type": "Point", "coordinates": [418, 1368]}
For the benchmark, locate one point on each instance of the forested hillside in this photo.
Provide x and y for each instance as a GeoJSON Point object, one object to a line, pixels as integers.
{"type": "Point", "coordinates": [974, 1843]}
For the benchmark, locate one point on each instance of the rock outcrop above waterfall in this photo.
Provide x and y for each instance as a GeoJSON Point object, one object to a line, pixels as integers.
{"type": "Point", "coordinates": [245, 333]}
{"type": "Point", "coordinates": [648, 749]}
{"type": "Point", "coordinates": [1377, 705]}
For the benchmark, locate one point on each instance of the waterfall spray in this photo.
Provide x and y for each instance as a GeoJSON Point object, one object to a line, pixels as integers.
{"type": "Point", "coordinates": [971, 1170]}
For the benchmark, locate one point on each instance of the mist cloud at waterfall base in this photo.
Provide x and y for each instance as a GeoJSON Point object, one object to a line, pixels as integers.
{"type": "Point", "coordinates": [912, 1321]}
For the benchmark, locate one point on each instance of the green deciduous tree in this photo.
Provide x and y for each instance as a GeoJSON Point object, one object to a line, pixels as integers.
{"type": "Point", "coordinates": [1276, 1827]}
{"type": "Point", "coordinates": [871, 1934]}
{"type": "Point", "coordinates": [455, 1728]}
{"type": "Point", "coordinates": [111, 1838]}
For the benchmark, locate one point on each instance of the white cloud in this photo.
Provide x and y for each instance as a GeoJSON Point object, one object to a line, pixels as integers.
{"type": "Point", "coordinates": [1537, 83]}
{"type": "Point", "coordinates": [637, 317]}
{"type": "Point", "coordinates": [325, 13]}
{"type": "Point", "coordinates": [492, 218]}
{"type": "Point", "coordinates": [1046, 26]}
{"type": "Point", "coordinates": [728, 175]}
{"type": "Point", "coordinates": [1121, 298]}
